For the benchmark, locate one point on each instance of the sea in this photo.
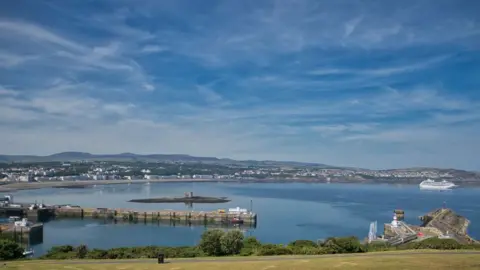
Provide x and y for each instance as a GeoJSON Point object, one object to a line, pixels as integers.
{"type": "Point", "coordinates": [286, 211]}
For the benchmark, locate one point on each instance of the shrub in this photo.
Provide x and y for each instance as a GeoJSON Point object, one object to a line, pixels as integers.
{"type": "Point", "coordinates": [474, 246]}
{"type": "Point", "coordinates": [181, 252]}
{"type": "Point", "coordinates": [82, 251]}
{"type": "Point", "coordinates": [61, 249]}
{"type": "Point", "coordinates": [60, 256]}
{"type": "Point", "coordinates": [232, 242]}
{"type": "Point", "coordinates": [378, 246]}
{"type": "Point", "coordinates": [436, 243]}
{"type": "Point", "coordinates": [96, 254]}
{"type": "Point", "coordinates": [251, 242]}
{"type": "Point", "coordinates": [306, 250]}
{"type": "Point", "coordinates": [271, 250]}
{"type": "Point", "coordinates": [250, 246]}
{"type": "Point", "coordinates": [210, 242]}
{"type": "Point", "coordinates": [303, 243]}
{"type": "Point", "coordinates": [343, 245]}
{"type": "Point", "coordinates": [10, 250]}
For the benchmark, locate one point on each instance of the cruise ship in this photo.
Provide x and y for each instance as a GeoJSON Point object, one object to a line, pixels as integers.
{"type": "Point", "coordinates": [430, 184]}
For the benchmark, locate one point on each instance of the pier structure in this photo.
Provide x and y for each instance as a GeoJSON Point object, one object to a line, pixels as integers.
{"type": "Point", "coordinates": [230, 217]}
{"type": "Point", "coordinates": [157, 216]}
{"type": "Point", "coordinates": [399, 232]}
{"type": "Point", "coordinates": [22, 232]}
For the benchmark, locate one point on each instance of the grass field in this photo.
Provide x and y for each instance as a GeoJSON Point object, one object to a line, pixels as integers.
{"type": "Point", "coordinates": [386, 261]}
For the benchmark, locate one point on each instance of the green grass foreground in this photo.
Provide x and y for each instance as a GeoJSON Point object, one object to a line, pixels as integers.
{"type": "Point", "coordinates": [384, 260]}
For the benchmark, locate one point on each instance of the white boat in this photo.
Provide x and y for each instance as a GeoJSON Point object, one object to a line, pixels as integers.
{"type": "Point", "coordinates": [28, 252]}
{"type": "Point", "coordinates": [431, 184]}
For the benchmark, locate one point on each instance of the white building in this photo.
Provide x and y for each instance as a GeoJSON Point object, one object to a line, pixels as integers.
{"type": "Point", "coordinates": [237, 210]}
{"type": "Point", "coordinates": [25, 178]}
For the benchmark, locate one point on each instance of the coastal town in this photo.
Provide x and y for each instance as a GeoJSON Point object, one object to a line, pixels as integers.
{"type": "Point", "coordinates": [110, 170]}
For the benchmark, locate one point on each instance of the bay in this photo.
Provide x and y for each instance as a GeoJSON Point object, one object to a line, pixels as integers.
{"type": "Point", "coordinates": [286, 211]}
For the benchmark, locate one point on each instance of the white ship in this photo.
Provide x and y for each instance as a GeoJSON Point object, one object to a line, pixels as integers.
{"type": "Point", "coordinates": [430, 184]}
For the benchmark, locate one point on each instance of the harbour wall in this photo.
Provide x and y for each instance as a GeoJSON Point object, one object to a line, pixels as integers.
{"type": "Point", "coordinates": [135, 216]}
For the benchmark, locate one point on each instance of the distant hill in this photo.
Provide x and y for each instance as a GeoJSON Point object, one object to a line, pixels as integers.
{"type": "Point", "coordinates": [79, 156]}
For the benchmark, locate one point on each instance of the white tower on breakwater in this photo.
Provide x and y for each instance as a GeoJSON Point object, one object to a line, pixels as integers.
{"type": "Point", "coordinates": [394, 221]}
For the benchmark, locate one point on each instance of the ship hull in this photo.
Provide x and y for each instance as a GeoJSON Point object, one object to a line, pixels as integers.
{"type": "Point", "coordinates": [428, 187]}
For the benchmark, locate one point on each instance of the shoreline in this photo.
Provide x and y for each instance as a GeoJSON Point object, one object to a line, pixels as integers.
{"type": "Point", "coordinates": [69, 184]}
{"type": "Point", "coordinates": [12, 187]}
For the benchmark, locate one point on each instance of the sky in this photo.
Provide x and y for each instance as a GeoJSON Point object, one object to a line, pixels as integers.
{"type": "Point", "coordinates": [372, 84]}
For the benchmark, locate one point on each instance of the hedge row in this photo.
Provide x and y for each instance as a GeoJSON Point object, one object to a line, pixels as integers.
{"type": "Point", "coordinates": [219, 243]}
{"type": "Point", "coordinates": [213, 243]}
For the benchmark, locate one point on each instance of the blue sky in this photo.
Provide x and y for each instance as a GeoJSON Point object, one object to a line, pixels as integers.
{"type": "Point", "coordinates": [375, 84]}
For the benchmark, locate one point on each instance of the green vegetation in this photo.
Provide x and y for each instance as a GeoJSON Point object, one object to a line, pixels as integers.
{"type": "Point", "coordinates": [10, 250]}
{"type": "Point", "coordinates": [218, 243]}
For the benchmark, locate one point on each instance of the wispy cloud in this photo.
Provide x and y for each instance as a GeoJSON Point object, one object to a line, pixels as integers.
{"type": "Point", "coordinates": [30, 31]}
{"type": "Point", "coordinates": [11, 60]}
{"type": "Point", "coordinates": [384, 71]}
{"type": "Point", "coordinates": [153, 49]}
{"type": "Point", "coordinates": [363, 85]}
{"type": "Point", "coordinates": [351, 25]}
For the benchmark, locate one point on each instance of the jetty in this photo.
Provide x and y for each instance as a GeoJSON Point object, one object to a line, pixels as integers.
{"type": "Point", "coordinates": [233, 216]}
{"type": "Point", "coordinates": [221, 216]}
{"type": "Point", "coordinates": [42, 213]}
{"type": "Point", "coordinates": [23, 232]}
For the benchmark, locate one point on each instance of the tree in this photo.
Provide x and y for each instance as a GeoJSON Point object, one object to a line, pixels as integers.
{"type": "Point", "coordinates": [232, 242]}
{"type": "Point", "coordinates": [251, 242]}
{"type": "Point", "coordinates": [10, 250]}
{"type": "Point", "coordinates": [210, 242]}
{"type": "Point", "coordinates": [82, 251]}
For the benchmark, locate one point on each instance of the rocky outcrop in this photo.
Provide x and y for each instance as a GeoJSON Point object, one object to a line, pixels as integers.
{"type": "Point", "coordinates": [438, 223]}
{"type": "Point", "coordinates": [448, 223]}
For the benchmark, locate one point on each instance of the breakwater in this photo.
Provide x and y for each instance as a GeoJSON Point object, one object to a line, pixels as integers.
{"type": "Point", "coordinates": [129, 215]}
{"type": "Point", "coordinates": [134, 216]}
{"type": "Point", "coordinates": [29, 235]}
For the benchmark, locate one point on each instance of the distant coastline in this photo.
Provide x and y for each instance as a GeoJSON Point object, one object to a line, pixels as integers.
{"type": "Point", "coordinates": [11, 187]}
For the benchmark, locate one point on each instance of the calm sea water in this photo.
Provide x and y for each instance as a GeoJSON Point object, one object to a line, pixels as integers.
{"type": "Point", "coordinates": [286, 212]}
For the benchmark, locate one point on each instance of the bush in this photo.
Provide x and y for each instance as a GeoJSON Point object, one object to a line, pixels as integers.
{"type": "Point", "coordinates": [250, 246]}
{"type": "Point", "coordinates": [251, 242]}
{"type": "Point", "coordinates": [471, 246]}
{"type": "Point", "coordinates": [343, 245]}
{"type": "Point", "coordinates": [232, 242]}
{"type": "Point", "coordinates": [61, 249]}
{"type": "Point", "coordinates": [96, 254]}
{"type": "Point", "coordinates": [303, 243]}
{"type": "Point", "coordinates": [10, 250]}
{"type": "Point", "coordinates": [218, 243]}
{"type": "Point", "coordinates": [271, 250]}
{"type": "Point", "coordinates": [378, 246]}
{"type": "Point", "coordinates": [210, 242]}
{"type": "Point", "coordinates": [181, 252]}
{"type": "Point", "coordinates": [436, 243]}
{"type": "Point", "coordinates": [306, 250]}
{"type": "Point", "coordinates": [82, 251]}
